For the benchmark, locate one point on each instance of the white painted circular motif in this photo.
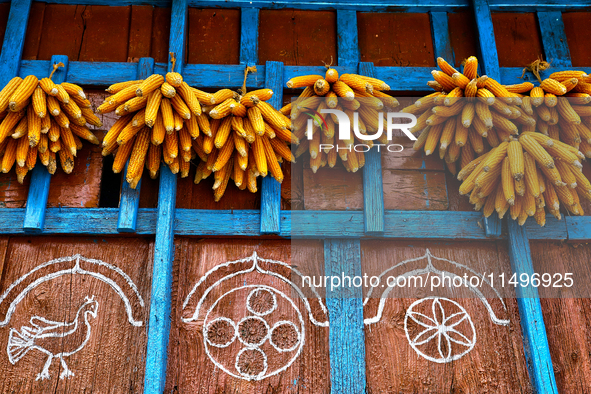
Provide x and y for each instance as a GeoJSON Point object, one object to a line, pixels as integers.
{"type": "Point", "coordinates": [439, 329]}
{"type": "Point", "coordinates": [260, 351]}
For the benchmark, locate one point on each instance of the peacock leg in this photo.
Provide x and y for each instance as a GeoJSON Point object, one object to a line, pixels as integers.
{"type": "Point", "coordinates": [45, 372]}
{"type": "Point", "coordinates": [66, 373]}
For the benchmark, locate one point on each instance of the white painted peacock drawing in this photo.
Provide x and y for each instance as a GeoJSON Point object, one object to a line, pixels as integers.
{"type": "Point", "coordinates": [47, 337]}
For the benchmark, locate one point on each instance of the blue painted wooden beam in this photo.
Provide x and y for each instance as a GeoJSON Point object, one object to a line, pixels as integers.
{"type": "Point", "coordinates": [130, 198]}
{"type": "Point", "coordinates": [249, 36]}
{"type": "Point", "coordinates": [161, 297]}
{"type": "Point", "coordinates": [40, 178]}
{"type": "Point", "coordinates": [440, 32]}
{"type": "Point", "coordinates": [492, 225]}
{"type": "Point", "coordinates": [537, 351]}
{"type": "Point", "coordinates": [270, 188]}
{"type": "Point", "coordinates": [345, 310]}
{"type": "Point", "coordinates": [373, 187]}
{"type": "Point", "coordinates": [347, 39]}
{"type": "Point", "coordinates": [489, 59]}
{"type": "Point", "coordinates": [554, 39]}
{"type": "Point", "coordinates": [14, 40]}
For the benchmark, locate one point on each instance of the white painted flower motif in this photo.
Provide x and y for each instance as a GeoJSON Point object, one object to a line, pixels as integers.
{"type": "Point", "coordinates": [442, 330]}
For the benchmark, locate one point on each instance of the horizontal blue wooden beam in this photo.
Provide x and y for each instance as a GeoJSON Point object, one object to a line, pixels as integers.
{"type": "Point", "coordinates": [297, 224]}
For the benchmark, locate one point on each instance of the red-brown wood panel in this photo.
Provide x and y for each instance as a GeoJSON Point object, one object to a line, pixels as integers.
{"type": "Point", "coordinates": [81, 300]}
{"type": "Point", "coordinates": [483, 354]}
{"type": "Point", "coordinates": [106, 34]}
{"type": "Point", "coordinates": [574, 24]}
{"type": "Point", "coordinates": [160, 34]}
{"type": "Point", "coordinates": [4, 10]}
{"type": "Point", "coordinates": [566, 319]}
{"type": "Point", "coordinates": [518, 39]}
{"type": "Point", "coordinates": [213, 36]}
{"type": "Point", "coordinates": [140, 31]}
{"type": "Point", "coordinates": [395, 39]}
{"type": "Point", "coordinates": [462, 35]}
{"type": "Point", "coordinates": [241, 318]}
{"type": "Point", "coordinates": [303, 38]}
{"type": "Point", "coordinates": [34, 31]}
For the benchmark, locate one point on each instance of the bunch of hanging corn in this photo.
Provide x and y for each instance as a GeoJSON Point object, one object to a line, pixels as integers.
{"type": "Point", "coordinates": [159, 117]}
{"type": "Point", "coordinates": [466, 116]}
{"type": "Point", "coordinates": [560, 108]}
{"type": "Point", "coordinates": [27, 132]}
{"type": "Point", "coordinates": [358, 93]}
{"type": "Point", "coordinates": [526, 175]}
{"type": "Point", "coordinates": [247, 138]}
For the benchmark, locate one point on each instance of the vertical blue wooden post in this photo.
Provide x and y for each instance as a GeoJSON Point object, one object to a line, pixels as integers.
{"type": "Point", "coordinates": [490, 66]}
{"type": "Point", "coordinates": [537, 351]}
{"type": "Point", "coordinates": [347, 38]}
{"type": "Point", "coordinates": [14, 40]}
{"type": "Point", "coordinates": [345, 309]}
{"type": "Point", "coordinates": [160, 301]}
{"type": "Point", "coordinates": [373, 188]}
{"type": "Point", "coordinates": [130, 198]}
{"type": "Point", "coordinates": [249, 36]}
{"type": "Point", "coordinates": [270, 188]}
{"type": "Point", "coordinates": [440, 33]}
{"type": "Point", "coordinates": [40, 178]}
{"type": "Point", "coordinates": [554, 38]}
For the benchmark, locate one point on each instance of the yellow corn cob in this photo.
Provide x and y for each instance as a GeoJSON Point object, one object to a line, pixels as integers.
{"type": "Point", "coordinates": [515, 154]}
{"type": "Point", "coordinates": [221, 181]}
{"type": "Point", "coordinates": [175, 79]}
{"type": "Point", "coordinates": [167, 116]}
{"type": "Point", "coordinates": [356, 82]}
{"type": "Point", "coordinates": [129, 132]}
{"type": "Point", "coordinates": [271, 115]}
{"type": "Point", "coordinates": [117, 87]}
{"type": "Point", "coordinates": [180, 107]}
{"type": "Point", "coordinates": [44, 154]}
{"type": "Point", "coordinates": [343, 90]}
{"type": "Point", "coordinates": [48, 86]}
{"type": "Point", "coordinates": [332, 75]}
{"type": "Point", "coordinates": [321, 87]}
{"type": "Point", "coordinates": [223, 132]}
{"type": "Point", "coordinates": [34, 127]}
{"type": "Point", "coordinates": [20, 129]}
{"type": "Point", "coordinates": [31, 159]}
{"type": "Point", "coordinates": [138, 154]}
{"type": "Point", "coordinates": [303, 81]}
{"type": "Point", "coordinates": [152, 107]}
{"type": "Point", "coordinates": [73, 90]}
{"type": "Point", "coordinates": [564, 75]}
{"type": "Point", "coordinates": [566, 174]}
{"type": "Point", "coordinates": [256, 120]}
{"type": "Point", "coordinates": [9, 155]}
{"type": "Point", "coordinates": [508, 182]}
{"type": "Point", "coordinates": [222, 95]}
{"type": "Point", "coordinates": [531, 175]}
{"type": "Point", "coordinates": [261, 94]}
{"type": "Point", "coordinates": [84, 133]}
{"type": "Point", "coordinates": [377, 84]}
{"type": "Point", "coordinates": [154, 158]}
{"type": "Point", "coordinates": [122, 155]}
{"type": "Point", "coordinates": [553, 86]}
{"type": "Point", "coordinates": [239, 110]}
{"type": "Point", "coordinates": [67, 140]}
{"type": "Point", "coordinates": [39, 102]}
{"type": "Point", "coordinates": [62, 95]}
{"type": "Point", "coordinates": [445, 80]}
{"type": "Point", "coordinates": [224, 154]}
{"type": "Point", "coordinates": [203, 97]}
{"type": "Point", "coordinates": [487, 178]}
{"type": "Point", "coordinates": [192, 126]}
{"type": "Point", "coordinates": [567, 112]}
{"type": "Point", "coordinates": [258, 151]}
{"type": "Point", "coordinates": [72, 110]}
{"type": "Point", "coordinates": [150, 84]}
{"type": "Point", "coordinates": [9, 122]}
{"type": "Point", "coordinates": [23, 92]}
{"type": "Point", "coordinates": [167, 90]}
{"type": "Point", "coordinates": [537, 151]}
{"type": "Point", "coordinates": [116, 129]}
{"type": "Point", "coordinates": [272, 163]}
{"type": "Point", "coordinates": [8, 91]}
{"type": "Point", "coordinates": [189, 98]}
{"type": "Point", "coordinates": [223, 109]}
{"type": "Point", "coordinates": [171, 145]}
{"type": "Point", "coordinates": [22, 151]}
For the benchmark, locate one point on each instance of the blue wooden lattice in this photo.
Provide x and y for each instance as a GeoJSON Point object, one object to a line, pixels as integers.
{"type": "Point", "coordinates": [166, 221]}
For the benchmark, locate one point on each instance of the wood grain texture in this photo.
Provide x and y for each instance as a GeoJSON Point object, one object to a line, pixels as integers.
{"type": "Point", "coordinates": [4, 9]}
{"type": "Point", "coordinates": [489, 58]}
{"type": "Point", "coordinates": [297, 37]}
{"type": "Point", "coordinates": [190, 369]}
{"type": "Point", "coordinates": [213, 36]}
{"type": "Point", "coordinates": [396, 39]}
{"type": "Point", "coordinates": [496, 363]}
{"type": "Point", "coordinates": [553, 38]}
{"type": "Point", "coordinates": [461, 35]}
{"type": "Point", "coordinates": [113, 358]}
{"type": "Point", "coordinates": [579, 49]}
{"type": "Point", "coordinates": [333, 189]}
{"type": "Point", "coordinates": [415, 190]}
{"type": "Point", "coordinates": [566, 318]}
{"type": "Point", "coordinates": [517, 37]}
{"type": "Point", "coordinates": [106, 34]}
{"type": "Point", "coordinates": [34, 31]}
{"type": "Point", "coordinates": [249, 36]}
{"type": "Point", "coordinates": [140, 31]}
{"type": "Point", "coordinates": [440, 34]}
{"type": "Point", "coordinates": [160, 34]}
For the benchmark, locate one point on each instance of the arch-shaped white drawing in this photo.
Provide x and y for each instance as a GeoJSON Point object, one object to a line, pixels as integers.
{"type": "Point", "coordinates": [127, 286]}
{"type": "Point", "coordinates": [45, 335]}
{"type": "Point", "coordinates": [254, 347]}
{"type": "Point", "coordinates": [430, 269]}
{"type": "Point", "coordinates": [440, 328]}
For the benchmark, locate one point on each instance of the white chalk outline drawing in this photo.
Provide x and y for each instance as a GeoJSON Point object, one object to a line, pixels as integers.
{"type": "Point", "coordinates": [255, 267]}
{"type": "Point", "coordinates": [222, 345]}
{"type": "Point", "coordinates": [76, 269]}
{"type": "Point", "coordinates": [430, 269]}
{"type": "Point", "coordinates": [440, 330]}
{"type": "Point", "coordinates": [20, 342]}
{"type": "Point", "coordinates": [263, 339]}
{"type": "Point", "coordinates": [282, 323]}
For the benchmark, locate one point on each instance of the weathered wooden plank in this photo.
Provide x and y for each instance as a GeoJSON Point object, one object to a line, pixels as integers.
{"type": "Point", "coordinates": [408, 158]}
{"type": "Point", "coordinates": [61, 21]}
{"type": "Point", "coordinates": [440, 33]}
{"type": "Point", "coordinates": [495, 363]}
{"type": "Point", "coordinates": [100, 43]}
{"type": "Point", "coordinates": [578, 228]}
{"type": "Point", "coordinates": [554, 38]}
{"type": "Point", "coordinates": [160, 34]}
{"type": "Point", "coordinates": [158, 335]}
{"type": "Point", "coordinates": [461, 34]}
{"type": "Point", "coordinates": [537, 352]}
{"type": "Point", "coordinates": [130, 198]}
{"type": "Point", "coordinates": [271, 188]}
{"type": "Point", "coordinates": [191, 366]}
{"type": "Point", "coordinates": [297, 37]}
{"type": "Point", "coordinates": [140, 32]}
{"type": "Point", "coordinates": [40, 178]}
{"type": "Point", "coordinates": [332, 189]}
{"type": "Point", "coordinates": [249, 36]}
{"type": "Point", "coordinates": [34, 30]}
{"type": "Point", "coordinates": [345, 307]}
{"type": "Point", "coordinates": [396, 39]}
{"type": "Point", "coordinates": [486, 36]}
{"type": "Point", "coordinates": [213, 36]}
{"type": "Point", "coordinates": [14, 39]}
{"type": "Point", "coordinates": [573, 23]}
{"type": "Point", "coordinates": [103, 285]}
{"type": "Point", "coordinates": [347, 38]}
{"type": "Point", "coordinates": [415, 190]}
{"type": "Point", "coordinates": [373, 191]}
{"type": "Point", "coordinates": [517, 38]}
